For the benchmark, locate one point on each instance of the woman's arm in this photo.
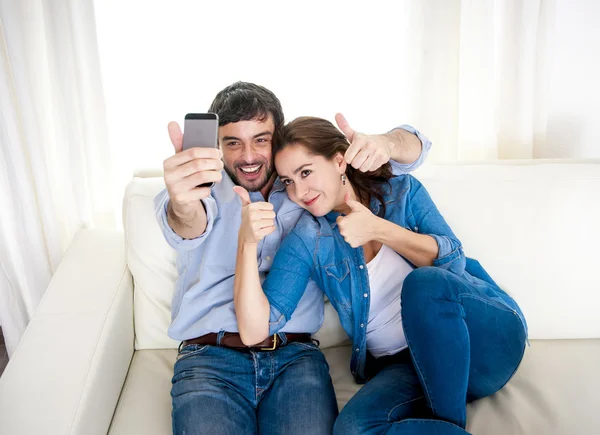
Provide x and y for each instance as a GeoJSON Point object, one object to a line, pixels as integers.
{"type": "Point", "coordinates": [431, 243]}
{"type": "Point", "coordinates": [420, 249]}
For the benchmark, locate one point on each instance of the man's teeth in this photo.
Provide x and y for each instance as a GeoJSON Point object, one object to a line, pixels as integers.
{"type": "Point", "coordinates": [250, 169]}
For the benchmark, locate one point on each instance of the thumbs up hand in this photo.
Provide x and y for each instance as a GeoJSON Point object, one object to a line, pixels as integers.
{"type": "Point", "coordinates": [258, 218]}
{"type": "Point", "coordinates": [367, 152]}
{"type": "Point", "coordinates": [359, 225]}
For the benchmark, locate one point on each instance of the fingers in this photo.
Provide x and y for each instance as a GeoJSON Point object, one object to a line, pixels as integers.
{"type": "Point", "coordinates": [259, 225]}
{"type": "Point", "coordinates": [344, 126]}
{"type": "Point", "coordinates": [199, 178]}
{"type": "Point", "coordinates": [353, 150]}
{"type": "Point", "coordinates": [190, 196]}
{"type": "Point", "coordinates": [366, 166]}
{"type": "Point", "coordinates": [176, 136]}
{"type": "Point", "coordinates": [265, 232]}
{"type": "Point", "coordinates": [188, 155]}
{"type": "Point", "coordinates": [360, 158]}
{"type": "Point", "coordinates": [365, 155]}
{"type": "Point", "coordinates": [379, 161]}
{"type": "Point", "coordinates": [263, 215]}
{"type": "Point", "coordinates": [198, 165]}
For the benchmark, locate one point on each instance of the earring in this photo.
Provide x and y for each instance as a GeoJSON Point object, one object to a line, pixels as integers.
{"type": "Point", "coordinates": [344, 179]}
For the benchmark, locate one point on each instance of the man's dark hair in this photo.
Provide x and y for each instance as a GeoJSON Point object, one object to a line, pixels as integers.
{"type": "Point", "coordinates": [243, 101]}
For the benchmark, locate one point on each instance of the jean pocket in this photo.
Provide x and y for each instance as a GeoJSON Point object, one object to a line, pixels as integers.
{"type": "Point", "coordinates": [308, 345]}
{"type": "Point", "coordinates": [192, 350]}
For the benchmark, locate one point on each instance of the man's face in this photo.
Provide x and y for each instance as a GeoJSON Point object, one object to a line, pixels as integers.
{"type": "Point", "coordinates": [247, 152]}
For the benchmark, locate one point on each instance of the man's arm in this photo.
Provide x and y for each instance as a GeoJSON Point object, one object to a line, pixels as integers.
{"type": "Point", "coordinates": [404, 146]}
{"type": "Point", "coordinates": [183, 173]}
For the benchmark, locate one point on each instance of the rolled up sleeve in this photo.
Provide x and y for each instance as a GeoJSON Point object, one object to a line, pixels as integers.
{"type": "Point", "coordinates": [276, 320]}
{"type": "Point", "coordinates": [450, 255]}
{"type": "Point", "coordinates": [405, 168]}
{"type": "Point", "coordinates": [161, 201]}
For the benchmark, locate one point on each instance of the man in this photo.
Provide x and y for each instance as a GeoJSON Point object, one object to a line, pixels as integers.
{"type": "Point", "coordinates": [220, 386]}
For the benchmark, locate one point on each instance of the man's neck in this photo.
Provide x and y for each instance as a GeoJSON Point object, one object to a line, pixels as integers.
{"type": "Point", "coordinates": [267, 189]}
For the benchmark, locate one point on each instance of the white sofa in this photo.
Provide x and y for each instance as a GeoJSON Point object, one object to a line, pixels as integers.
{"type": "Point", "coordinates": [96, 359]}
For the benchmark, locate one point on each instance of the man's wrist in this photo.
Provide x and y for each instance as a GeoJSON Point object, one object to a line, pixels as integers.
{"type": "Point", "coordinates": [185, 218]}
{"type": "Point", "coordinates": [406, 147]}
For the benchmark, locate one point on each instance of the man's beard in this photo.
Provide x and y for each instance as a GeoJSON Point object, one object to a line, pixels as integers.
{"type": "Point", "coordinates": [257, 185]}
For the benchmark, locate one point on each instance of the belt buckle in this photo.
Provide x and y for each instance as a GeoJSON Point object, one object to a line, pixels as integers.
{"type": "Point", "coordinates": [274, 344]}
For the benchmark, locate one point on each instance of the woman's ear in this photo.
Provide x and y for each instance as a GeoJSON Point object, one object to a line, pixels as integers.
{"type": "Point", "coordinates": [340, 162]}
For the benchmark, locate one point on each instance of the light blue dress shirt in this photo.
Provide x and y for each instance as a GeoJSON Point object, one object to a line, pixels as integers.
{"type": "Point", "coordinates": [203, 298]}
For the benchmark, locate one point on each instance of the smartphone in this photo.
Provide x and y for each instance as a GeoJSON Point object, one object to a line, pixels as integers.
{"type": "Point", "coordinates": [201, 130]}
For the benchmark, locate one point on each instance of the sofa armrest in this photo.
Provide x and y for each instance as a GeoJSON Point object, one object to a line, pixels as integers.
{"type": "Point", "coordinates": [67, 372]}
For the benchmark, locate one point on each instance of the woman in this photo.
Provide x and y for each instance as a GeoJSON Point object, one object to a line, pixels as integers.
{"type": "Point", "coordinates": [430, 329]}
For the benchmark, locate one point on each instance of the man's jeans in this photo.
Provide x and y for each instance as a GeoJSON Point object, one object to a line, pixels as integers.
{"type": "Point", "coordinates": [465, 341]}
{"type": "Point", "coordinates": [219, 391]}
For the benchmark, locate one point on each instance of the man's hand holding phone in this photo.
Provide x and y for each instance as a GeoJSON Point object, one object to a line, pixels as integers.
{"type": "Point", "coordinates": [184, 174]}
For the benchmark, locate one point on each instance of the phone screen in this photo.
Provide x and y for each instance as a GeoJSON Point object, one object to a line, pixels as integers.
{"type": "Point", "coordinates": [200, 130]}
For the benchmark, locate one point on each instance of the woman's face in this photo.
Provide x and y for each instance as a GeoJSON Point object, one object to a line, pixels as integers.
{"type": "Point", "coordinates": [313, 182]}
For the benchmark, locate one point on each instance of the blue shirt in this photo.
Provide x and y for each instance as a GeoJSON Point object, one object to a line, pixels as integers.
{"type": "Point", "coordinates": [315, 250]}
{"type": "Point", "coordinates": [203, 297]}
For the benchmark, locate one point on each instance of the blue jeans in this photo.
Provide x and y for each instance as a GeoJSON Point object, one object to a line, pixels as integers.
{"type": "Point", "coordinates": [466, 339]}
{"type": "Point", "coordinates": [219, 391]}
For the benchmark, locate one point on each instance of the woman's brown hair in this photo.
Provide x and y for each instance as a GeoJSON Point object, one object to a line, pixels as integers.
{"type": "Point", "coordinates": [320, 137]}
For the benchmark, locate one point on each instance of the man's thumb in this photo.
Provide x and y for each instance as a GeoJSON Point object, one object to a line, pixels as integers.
{"type": "Point", "coordinates": [344, 126]}
{"type": "Point", "coordinates": [176, 136]}
{"type": "Point", "coordinates": [243, 194]}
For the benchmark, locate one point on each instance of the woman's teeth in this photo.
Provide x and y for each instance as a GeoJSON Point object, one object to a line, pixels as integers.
{"type": "Point", "coordinates": [250, 169]}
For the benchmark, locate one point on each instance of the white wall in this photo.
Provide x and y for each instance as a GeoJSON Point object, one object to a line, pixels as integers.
{"type": "Point", "coordinates": [162, 59]}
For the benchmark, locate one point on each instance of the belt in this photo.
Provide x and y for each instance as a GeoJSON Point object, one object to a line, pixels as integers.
{"type": "Point", "coordinates": [233, 340]}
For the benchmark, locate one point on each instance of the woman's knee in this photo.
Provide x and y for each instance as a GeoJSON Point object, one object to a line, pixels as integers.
{"type": "Point", "coordinates": [427, 283]}
{"type": "Point", "coordinates": [348, 423]}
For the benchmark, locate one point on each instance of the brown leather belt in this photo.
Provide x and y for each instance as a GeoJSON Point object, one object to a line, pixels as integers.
{"type": "Point", "coordinates": [233, 340]}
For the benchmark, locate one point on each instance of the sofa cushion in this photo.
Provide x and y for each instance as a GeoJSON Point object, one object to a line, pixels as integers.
{"type": "Point", "coordinates": [552, 392]}
{"type": "Point", "coordinates": [532, 224]}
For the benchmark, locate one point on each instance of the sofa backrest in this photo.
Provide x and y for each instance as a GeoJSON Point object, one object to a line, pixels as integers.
{"type": "Point", "coordinates": [534, 225]}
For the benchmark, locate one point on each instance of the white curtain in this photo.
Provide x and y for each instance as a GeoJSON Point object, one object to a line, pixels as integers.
{"type": "Point", "coordinates": [484, 68]}
{"type": "Point", "coordinates": [55, 164]}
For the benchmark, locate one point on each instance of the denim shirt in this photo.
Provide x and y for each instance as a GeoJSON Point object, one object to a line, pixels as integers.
{"type": "Point", "coordinates": [203, 298]}
{"type": "Point", "coordinates": [315, 250]}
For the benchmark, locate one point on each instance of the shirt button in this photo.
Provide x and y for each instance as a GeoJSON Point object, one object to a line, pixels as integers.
{"type": "Point", "coordinates": [268, 258]}
{"type": "Point", "coordinates": [362, 325]}
{"type": "Point", "coordinates": [357, 349]}
{"type": "Point", "coordinates": [416, 228]}
{"type": "Point", "coordinates": [366, 295]}
{"type": "Point", "coordinates": [361, 267]}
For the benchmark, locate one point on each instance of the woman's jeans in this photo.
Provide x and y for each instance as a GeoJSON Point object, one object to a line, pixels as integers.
{"type": "Point", "coordinates": [223, 391]}
{"type": "Point", "coordinates": [465, 338]}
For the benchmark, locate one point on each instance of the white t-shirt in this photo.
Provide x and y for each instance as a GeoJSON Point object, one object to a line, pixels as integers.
{"type": "Point", "coordinates": [387, 271]}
